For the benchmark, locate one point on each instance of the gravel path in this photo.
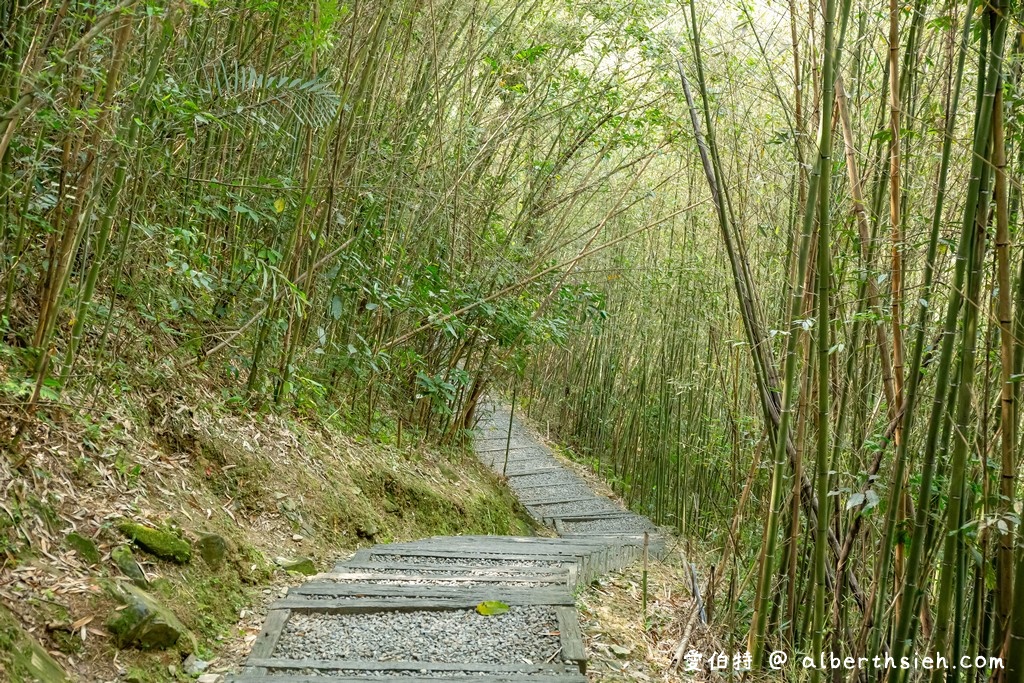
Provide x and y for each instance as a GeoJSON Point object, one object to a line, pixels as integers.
{"type": "Point", "coordinates": [523, 634]}
{"type": "Point", "coordinates": [537, 496]}
{"type": "Point", "coordinates": [361, 636]}
{"type": "Point", "coordinates": [392, 673]}
{"type": "Point", "coordinates": [582, 507]}
{"type": "Point", "coordinates": [621, 525]}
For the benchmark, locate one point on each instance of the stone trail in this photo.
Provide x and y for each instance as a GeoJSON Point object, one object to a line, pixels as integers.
{"type": "Point", "coordinates": [408, 612]}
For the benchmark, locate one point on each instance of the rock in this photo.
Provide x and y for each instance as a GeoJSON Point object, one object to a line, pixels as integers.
{"type": "Point", "coordinates": [302, 565]}
{"type": "Point", "coordinates": [22, 657]}
{"type": "Point", "coordinates": [619, 650]}
{"type": "Point", "coordinates": [194, 666]}
{"type": "Point", "coordinates": [84, 546]}
{"type": "Point", "coordinates": [367, 530]}
{"type": "Point", "coordinates": [163, 544]}
{"type": "Point", "coordinates": [125, 561]}
{"type": "Point", "coordinates": [210, 678]}
{"type": "Point", "coordinates": [213, 549]}
{"type": "Point", "coordinates": [143, 622]}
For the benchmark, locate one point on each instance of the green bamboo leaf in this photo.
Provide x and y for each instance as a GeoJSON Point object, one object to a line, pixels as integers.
{"type": "Point", "coordinates": [489, 608]}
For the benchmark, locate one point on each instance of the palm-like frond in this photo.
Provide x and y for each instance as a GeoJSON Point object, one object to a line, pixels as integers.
{"type": "Point", "coordinates": [247, 92]}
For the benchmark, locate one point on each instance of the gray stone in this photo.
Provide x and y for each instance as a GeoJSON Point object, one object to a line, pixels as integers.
{"type": "Point", "coordinates": [143, 622]}
{"type": "Point", "coordinates": [194, 666]}
{"type": "Point", "coordinates": [214, 550]}
{"type": "Point", "coordinates": [367, 530]}
{"type": "Point", "coordinates": [125, 561]}
{"type": "Point", "coordinates": [302, 565]}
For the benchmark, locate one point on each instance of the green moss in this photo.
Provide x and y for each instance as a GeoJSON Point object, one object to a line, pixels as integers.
{"type": "Point", "coordinates": [22, 658]}
{"type": "Point", "coordinates": [213, 549]}
{"type": "Point", "coordinates": [301, 565]}
{"type": "Point", "coordinates": [144, 622]}
{"type": "Point", "coordinates": [84, 546]}
{"type": "Point", "coordinates": [125, 561]}
{"type": "Point", "coordinates": [163, 544]}
{"type": "Point", "coordinates": [422, 507]}
{"type": "Point", "coordinates": [209, 603]}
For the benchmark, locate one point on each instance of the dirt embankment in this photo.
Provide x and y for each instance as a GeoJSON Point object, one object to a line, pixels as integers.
{"type": "Point", "coordinates": [262, 490]}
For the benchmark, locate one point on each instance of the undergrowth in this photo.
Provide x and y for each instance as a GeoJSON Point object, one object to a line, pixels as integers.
{"type": "Point", "coordinates": [168, 450]}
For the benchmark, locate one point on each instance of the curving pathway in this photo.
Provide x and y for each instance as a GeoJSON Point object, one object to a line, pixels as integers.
{"type": "Point", "coordinates": [408, 612]}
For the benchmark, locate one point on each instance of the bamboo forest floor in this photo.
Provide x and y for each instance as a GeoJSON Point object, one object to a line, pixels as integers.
{"type": "Point", "coordinates": [495, 608]}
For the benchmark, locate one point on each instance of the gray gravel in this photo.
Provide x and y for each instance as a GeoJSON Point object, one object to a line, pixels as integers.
{"type": "Point", "coordinates": [537, 495]}
{"type": "Point", "coordinates": [582, 507]}
{"type": "Point", "coordinates": [625, 525]}
{"type": "Point", "coordinates": [524, 634]}
{"type": "Point", "coordinates": [463, 561]}
{"type": "Point", "coordinates": [398, 673]}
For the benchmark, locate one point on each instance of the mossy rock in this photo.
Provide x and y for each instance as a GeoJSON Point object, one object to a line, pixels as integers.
{"type": "Point", "coordinates": [22, 658]}
{"type": "Point", "coordinates": [143, 622]}
{"type": "Point", "coordinates": [302, 565]}
{"type": "Point", "coordinates": [213, 549]}
{"type": "Point", "coordinates": [125, 561]}
{"type": "Point", "coordinates": [162, 544]}
{"type": "Point", "coordinates": [84, 546]}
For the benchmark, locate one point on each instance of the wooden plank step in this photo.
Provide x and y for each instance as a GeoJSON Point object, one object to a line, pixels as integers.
{"type": "Point", "coordinates": [526, 544]}
{"type": "Point", "coordinates": [370, 576]}
{"type": "Point", "coordinates": [590, 506]}
{"type": "Point", "coordinates": [511, 556]}
{"type": "Point", "coordinates": [595, 516]}
{"type": "Point", "coordinates": [520, 570]}
{"type": "Point", "coordinates": [547, 485]}
{"type": "Point", "coordinates": [552, 555]}
{"type": "Point", "coordinates": [490, 446]}
{"type": "Point", "coordinates": [571, 637]}
{"type": "Point", "coordinates": [499, 466]}
{"type": "Point", "coordinates": [498, 463]}
{"type": "Point", "coordinates": [542, 470]}
{"type": "Point", "coordinates": [270, 633]}
{"type": "Point", "coordinates": [512, 595]}
{"type": "Point", "coordinates": [530, 467]}
{"type": "Point", "coordinates": [381, 604]}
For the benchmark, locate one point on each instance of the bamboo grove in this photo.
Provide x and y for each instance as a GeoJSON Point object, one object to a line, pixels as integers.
{"type": "Point", "coordinates": [758, 264]}
{"type": "Point", "coordinates": [323, 204]}
{"type": "Point", "coordinates": [841, 428]}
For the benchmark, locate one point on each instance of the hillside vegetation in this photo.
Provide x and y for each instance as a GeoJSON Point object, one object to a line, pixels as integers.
{"type": "Point", "coordinates": [755, 264]}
